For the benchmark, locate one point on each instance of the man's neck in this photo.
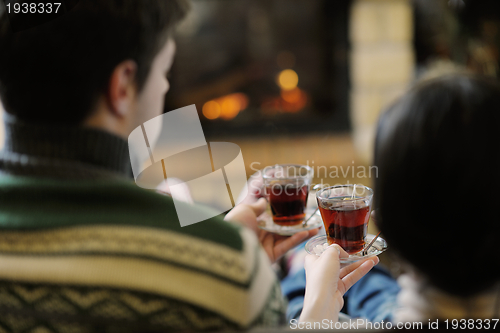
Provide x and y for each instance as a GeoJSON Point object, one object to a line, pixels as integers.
{"type": "Point", "coordinates": [62, 151]}
{"type": "Point", "coordinates": [102, 118]}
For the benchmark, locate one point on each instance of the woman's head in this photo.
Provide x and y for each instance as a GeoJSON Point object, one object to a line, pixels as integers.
{"type": "Point", "coordinates": [438, 186]}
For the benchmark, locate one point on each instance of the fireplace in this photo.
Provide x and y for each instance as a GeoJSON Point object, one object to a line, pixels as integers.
{"type": "Point", "coordinates": [260, 67]}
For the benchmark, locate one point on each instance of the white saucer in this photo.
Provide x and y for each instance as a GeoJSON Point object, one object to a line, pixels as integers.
{"type": "Point", "coordinates": [318, 244]}
{"type": "Point", "coordinates": [266, 223]}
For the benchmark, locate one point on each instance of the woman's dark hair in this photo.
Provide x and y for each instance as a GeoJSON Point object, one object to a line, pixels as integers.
{"type": "Point", "coordinates": [55, 72]}
{"type": "Point", "coordinates": [438, 186]}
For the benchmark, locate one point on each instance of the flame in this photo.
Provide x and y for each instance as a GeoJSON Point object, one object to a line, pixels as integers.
{"type": "Point", "coordinates": [288, 79]}
{"type": "Point", "coordinates": [292, 96]}
{"type": "Point", "coordinates": [211, 110]}
{"type": "Point", "coordinates": [226, 107]}
{"type": "Point", "coordinates": [290, 101]}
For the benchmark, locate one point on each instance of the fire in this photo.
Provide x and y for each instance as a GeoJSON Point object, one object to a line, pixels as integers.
{"type": "Point", "coordinates": [211, 110]}
{"type": "Point", "coordinates": [289, 101]}
{"type": "Point", "coordinates": [288, 79]}
{"type": "Point", "coordinates": [292, 96]}
{"type": "Point", "coordinates": [225, 107]}
{"type": "Point", "coordinates": [292, 99]}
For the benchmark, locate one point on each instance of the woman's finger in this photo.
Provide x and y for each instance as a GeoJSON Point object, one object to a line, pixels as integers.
{"type": "Point", "coordinates": [342, 252]}
{"type": "Point", "coordinates": [348, 269]}
{"type": "Point", "coordinates": [309, 260]}
{"type": "Point", "coordinates": [350, 279]}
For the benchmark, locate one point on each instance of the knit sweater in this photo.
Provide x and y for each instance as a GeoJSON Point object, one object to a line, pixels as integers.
{"type": "Point", "coordinates": [84, 249]}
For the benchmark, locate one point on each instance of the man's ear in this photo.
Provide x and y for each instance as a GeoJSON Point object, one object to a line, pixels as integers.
{"type": "Point", "coordinates": [122, 89]}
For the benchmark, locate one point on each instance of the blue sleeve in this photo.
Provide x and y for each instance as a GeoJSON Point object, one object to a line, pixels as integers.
{"type": "Point", "coordinates": [373, 297]}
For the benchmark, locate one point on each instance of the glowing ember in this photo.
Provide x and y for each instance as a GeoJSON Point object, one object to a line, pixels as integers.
{"type": "Point", "coordinates": [211, 110]}
{"type": "Point", "coordinates": [226, 107]}
{"type": "Point", "coordinates": [288, 79]}
{"type": "Point", "coordinates": [290, 101]}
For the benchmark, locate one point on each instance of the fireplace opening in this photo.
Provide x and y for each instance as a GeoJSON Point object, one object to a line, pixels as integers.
{"type": "Point", "coordinates": [264, 67]}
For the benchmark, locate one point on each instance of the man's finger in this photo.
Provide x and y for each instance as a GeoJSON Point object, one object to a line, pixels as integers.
{"type": "Point", "coordinates": [267, 242]}
{"type": "Point", "coordinates": [255, 189]}
{"type": "Point", "coordinates": [287, 243]}
{"type": "Point", "coordinates": [374, 216]}
{"type": "Point", "coordinates": [259, 207]}
{"type": "Point", "coordinates": [313, 232]}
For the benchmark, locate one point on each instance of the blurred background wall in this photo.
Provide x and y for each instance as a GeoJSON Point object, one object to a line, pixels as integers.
{"type": "Point", "coordinates": [382, 64]}
{"type": "Point", "coordinates": [2, 129]}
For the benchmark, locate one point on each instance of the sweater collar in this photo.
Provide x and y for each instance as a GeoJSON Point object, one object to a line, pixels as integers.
{"type": "Point", "coordinates": [62, 151]}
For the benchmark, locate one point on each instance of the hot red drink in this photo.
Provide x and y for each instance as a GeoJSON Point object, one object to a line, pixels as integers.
{"type": "Point", "coordinates": [346, 225]}
{"type": "Point", "coordinates": [287, 203]}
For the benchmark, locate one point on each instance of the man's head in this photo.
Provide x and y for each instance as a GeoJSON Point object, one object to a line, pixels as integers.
{"type": "Point", "coordinates": [100, 55]}
{"type": "Point", "coordinates": [437, 187]}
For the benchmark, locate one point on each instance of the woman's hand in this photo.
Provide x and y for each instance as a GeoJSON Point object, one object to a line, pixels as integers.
{"type": "Point", "coordinates": [326, 283]}
{"type": "Point", "coordinates": [274, 245]}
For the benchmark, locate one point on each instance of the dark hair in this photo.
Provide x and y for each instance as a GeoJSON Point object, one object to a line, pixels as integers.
{"type": "Point", "coordinates": [55, 72]}
{"type": "Point", "coordinates": [438, 186]}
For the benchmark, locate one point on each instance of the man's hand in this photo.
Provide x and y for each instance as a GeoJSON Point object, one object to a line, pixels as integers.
{"type": "Point", "coordinates": [246, 214]}
{"type": "Point", "coordinates": [255, 186]}
{"type": "Point", "coordinates": [274, 245]}
{"type": "Point", "coordinates": [326, 283]}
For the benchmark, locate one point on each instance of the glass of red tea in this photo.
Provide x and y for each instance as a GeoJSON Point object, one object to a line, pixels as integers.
{"type": "Point", "coordinates": [345, 210]}
{"type": "Point", "coordinates": [286, 189]}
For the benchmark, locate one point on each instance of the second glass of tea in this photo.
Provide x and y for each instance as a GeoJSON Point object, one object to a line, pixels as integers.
{"type": "Point", "coordinates": [345, 210]}
{"type": "Point", "coordinates": [287, 188]}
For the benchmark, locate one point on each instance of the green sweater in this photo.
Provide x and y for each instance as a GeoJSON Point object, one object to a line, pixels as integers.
{"type": "Point", "coordinates": [104, 255]}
